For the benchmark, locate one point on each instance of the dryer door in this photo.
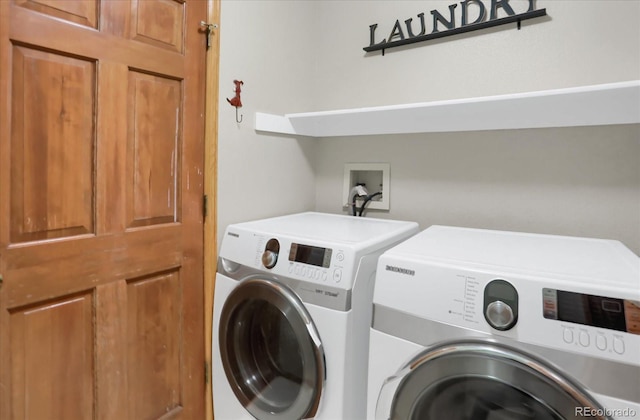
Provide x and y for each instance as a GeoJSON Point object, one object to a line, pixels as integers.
{"type": "Point", "coordinates": [271, 351]}
{"type": "Point", "coordinates": [476, 379]}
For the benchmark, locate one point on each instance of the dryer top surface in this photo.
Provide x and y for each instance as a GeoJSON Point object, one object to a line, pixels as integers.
{"type": "Point", "coordinates": [598, 261]}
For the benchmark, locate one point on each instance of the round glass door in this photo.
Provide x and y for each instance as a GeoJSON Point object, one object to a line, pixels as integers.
{"type": "Point", "coordinates": [271, 351]}
{"type": "Point", "coordinates": [477, 380]}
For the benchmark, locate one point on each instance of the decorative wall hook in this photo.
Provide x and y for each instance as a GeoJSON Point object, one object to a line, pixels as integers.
{"type": "Point", "coordinates": [236, 101]}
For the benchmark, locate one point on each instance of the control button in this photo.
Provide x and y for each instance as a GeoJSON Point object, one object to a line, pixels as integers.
{"type": "Point", "coordinates": [298, 269]}
{"type": "Point", "coordinates": [337, 275]}
{"type": "Point", "coordinates": [311, 273]}
{"type": "Point", "coordinates": [290, 268]}
{"type": "Point", "coordinates": [304, 271]}
{"type": "Point", "coordinates": [567, 335]}
{"type": "Point", "coordinates": [340, 256]}
{"type": "Point", "coordinates": [601, 342]}
{"type": "Point", "coordinates": [618, 344]}
{"type": "Point", "coordinates": [549, 308]}
{"type": "Point", "coordinates": [584, 339]}
{"type": "Point", "coordinates": [324, 276]}
{"type": "Point", "coordinates": [499, 315]}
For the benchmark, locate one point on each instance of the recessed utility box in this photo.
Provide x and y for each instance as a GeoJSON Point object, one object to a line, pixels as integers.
{"type": "Point", "coordinates": [374, 177]}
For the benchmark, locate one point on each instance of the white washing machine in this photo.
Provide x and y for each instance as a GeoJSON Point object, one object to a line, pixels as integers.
{"type": "Point", "coordinates": [474, 324]}
{"type": "Point", "coordinates": [292, 311]}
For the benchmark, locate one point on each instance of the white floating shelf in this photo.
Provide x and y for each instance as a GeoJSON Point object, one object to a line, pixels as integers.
{"type": "Point", "coordinates": [612, 103]}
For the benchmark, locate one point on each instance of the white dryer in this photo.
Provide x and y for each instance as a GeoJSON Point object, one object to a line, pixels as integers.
{"type": "Point", "coordinates": [473, 324]}
{"type": "Point", "coordinates": [292, 311]}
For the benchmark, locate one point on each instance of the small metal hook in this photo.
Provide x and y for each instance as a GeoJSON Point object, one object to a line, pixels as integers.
{"type": "Point", "coordinates": [238, 120]}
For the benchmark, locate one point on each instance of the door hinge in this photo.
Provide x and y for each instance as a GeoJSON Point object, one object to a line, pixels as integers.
{"type": "Point", "coordinates": [207, 29]}
{"type": "Point", "coordinates": [207, 372]}
{"type": "Point", "coordinates": [205, 205]}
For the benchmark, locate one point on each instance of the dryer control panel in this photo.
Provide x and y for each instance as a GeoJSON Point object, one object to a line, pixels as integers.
{"type": "Point", "coordinates": [595, 311]}
{"type": "Point", "coordinates": [572, 294]}
{"type": "Point", "coordinates": [610, 316]}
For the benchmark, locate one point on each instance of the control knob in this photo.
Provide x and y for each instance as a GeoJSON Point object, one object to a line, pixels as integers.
{"type": "Point", "coordinates": [500, 304]}
{"type": "Point", "coordinates": [270, 254]}
{"type": "Point", "coordinates": [269, 258]}
{"type": "Point", "coordinates": [500, 315]}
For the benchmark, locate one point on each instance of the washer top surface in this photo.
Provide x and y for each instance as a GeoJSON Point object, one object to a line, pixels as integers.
{"type": "Point", "coordinates": [571, 258]}
{"type": "Point", "coordinates": [355, 232]}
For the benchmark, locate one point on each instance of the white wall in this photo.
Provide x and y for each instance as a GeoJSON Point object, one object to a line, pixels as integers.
{"type": "Point", "coordinates": [298, 56]}
{"type": "Point", "coordinates": [265, 44]}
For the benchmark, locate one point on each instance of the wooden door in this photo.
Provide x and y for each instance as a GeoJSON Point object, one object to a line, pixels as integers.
{"type": "Point", "coordinates": [101, 225]}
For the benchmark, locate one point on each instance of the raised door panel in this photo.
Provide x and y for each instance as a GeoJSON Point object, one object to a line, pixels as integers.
{"type": "Point", "coordinates": [83, 12]}
{"type": "Point", "coordinates": [159, 23]}
{"type": "Point", "coordinates": [154, 333]}
{"type": "Point", "coordinates": [52, 359]}
{"type": "Point", "coordinates": [52, 145]}
{"type": "Point", "coordinates": [154, 143]}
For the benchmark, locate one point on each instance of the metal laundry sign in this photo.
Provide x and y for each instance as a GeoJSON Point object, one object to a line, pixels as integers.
{"type": "Point", "coordinates": [471, 19]}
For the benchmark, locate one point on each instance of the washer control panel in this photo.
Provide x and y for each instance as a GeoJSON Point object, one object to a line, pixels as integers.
{"type": "Point", "coordinates": [313, 263]}
{"type": "Point", "coordinates": [312, 255]}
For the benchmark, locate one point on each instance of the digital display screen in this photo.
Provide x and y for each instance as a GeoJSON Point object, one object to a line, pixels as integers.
{"type": "Point", "coordinates": [313, 255]}
{"type": "Point", "coordinates": [596, 311]}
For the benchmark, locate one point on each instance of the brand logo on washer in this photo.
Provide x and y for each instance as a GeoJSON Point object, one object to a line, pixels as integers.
{"type": "Point", "coordinates": [400, 270]}
{"type": "Point", "coordinates": [235, 235]}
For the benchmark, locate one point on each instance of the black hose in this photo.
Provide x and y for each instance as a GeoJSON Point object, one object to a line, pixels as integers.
{"type": "Point", "coordinates": [353, 205]}
{"type": "Point", "coordinates": [366, 201]}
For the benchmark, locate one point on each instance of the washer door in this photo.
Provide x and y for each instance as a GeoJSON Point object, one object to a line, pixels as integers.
{"type": "Point", "coordinates": [485, 381]}
{"type": "Point", "coordinates": [271, 351]}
